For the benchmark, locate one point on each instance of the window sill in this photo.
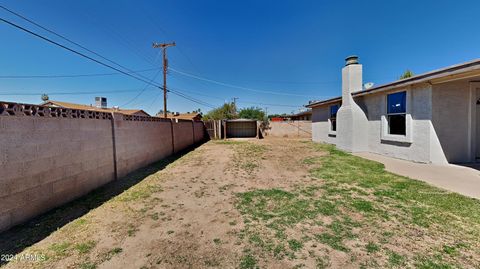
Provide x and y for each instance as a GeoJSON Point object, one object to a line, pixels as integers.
{"type": "Point", "coordinates": [396, 138]}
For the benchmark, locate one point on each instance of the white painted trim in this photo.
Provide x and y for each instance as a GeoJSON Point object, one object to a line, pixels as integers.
{"type": "Point", "coordinates": [331, 133]}
{"type": "Point", "coordinates": [472, 123]}
{"type": "Point", "coordinates": [408, 137]}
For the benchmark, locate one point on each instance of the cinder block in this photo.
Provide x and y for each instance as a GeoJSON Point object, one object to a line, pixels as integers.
{"type": "Point", "coordinates": [10, 202]}
{"type": "Point", "coordinates": [21, 184]}
{"type": "Point", "coordinates": [64, 184]}
{"type": "Point", "coordinates": [5, 221]}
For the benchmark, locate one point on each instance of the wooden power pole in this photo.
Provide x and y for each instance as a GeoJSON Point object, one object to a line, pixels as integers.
{"type": "Point", "coordinates": [164, 47]}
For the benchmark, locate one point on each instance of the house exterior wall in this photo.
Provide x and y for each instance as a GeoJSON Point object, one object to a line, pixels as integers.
{"type": "Point", "coordinates": [421, 145]}
{"type": "Point", "coordinates": [450, 118]}
{"type": "Point", "coordinates": [321, 125]}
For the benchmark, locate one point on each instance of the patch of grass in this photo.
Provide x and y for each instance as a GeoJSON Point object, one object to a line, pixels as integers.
{"type": "Point", "coordinates": [432, 263]}
{"type": "Point", "coordinates": [85, 247]}
{"type": "Point", "coordinates": [295, 245]}
{"type": "Point", "coordinates": [362, 205]}
{"type": "Point", "coordinates": [132, 230]}
{"type": "Point", "coordinates": [248, 261]}
{"type": "Point", "coordinates": [88, 265]}
{"type": "Point", "coordinates": [310, 160]}
{"type": "Point", "coordinates": [60, 249]}
{"type": "Point", "coordinates": [170, 232]}
{"type": "Point", "coordinates": [139, 192]}
{"type": "Point", "coordinates": [114, 251]}
{"type": "Point", "coordinates": [395, 259]}
{"type": "Point", "coordinates": [334, 241]}
{"type": "Point", "coordinates": [154, 216]}
{"type": "Point", "coordinates": [372, 247]}
{"type": "Point", "coordinates": [233, 223]}
{"type": "Point", "coordinates": [217, 241]}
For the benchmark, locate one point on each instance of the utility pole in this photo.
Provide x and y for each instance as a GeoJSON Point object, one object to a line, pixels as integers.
{"type": "Point", "coordinates": [266, 112]}
{"type": "Point", "coordinates": [164, 47]}
{"type": "Point", "coordinates": [235, 104]}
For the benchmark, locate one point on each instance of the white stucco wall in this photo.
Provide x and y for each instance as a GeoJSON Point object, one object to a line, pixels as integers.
{"type": "Point", "coordinates": [419, 147]}
{"type": "Point", "coordinates": [422, 143]}
{"type": "Point", "coordinates": [321, 125]}
{"type": "Point", "coordinates": [450, 118]}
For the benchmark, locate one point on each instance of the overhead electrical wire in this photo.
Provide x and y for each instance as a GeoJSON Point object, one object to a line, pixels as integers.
{"type": "Point", "coordinates": [95, 60]}
{"type": "Point", "coordinates": [234, 86]}
{"type": "Point", "coordinates": [72, 75]}
{"type": "Point", "coordinates": [69, 93]}
{"type": "Point", "coordinates": [74, 51]}
{"type": "Point", "coordinates": [60, 36]}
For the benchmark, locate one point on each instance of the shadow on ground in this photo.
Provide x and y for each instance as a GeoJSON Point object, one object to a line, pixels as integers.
{"type": "Point", "coordinates": [18, 238]}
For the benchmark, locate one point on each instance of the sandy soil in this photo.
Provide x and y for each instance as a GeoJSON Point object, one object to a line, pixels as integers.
{"type": "Point", "coordinates": [188, 220]}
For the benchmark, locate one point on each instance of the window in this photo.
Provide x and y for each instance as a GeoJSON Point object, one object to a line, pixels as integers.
{"type": "Point", "coordinates": [333, 117]}
{"type": "Point", "coordinates": [396, 113]}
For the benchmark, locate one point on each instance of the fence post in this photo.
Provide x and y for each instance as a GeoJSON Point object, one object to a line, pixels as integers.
{"type": "Point", "coordinates": [114, 142]}
{"type": "Point", "coordinates": [173, 136]}
{"type": "Point", "coordinates": [193, 132]}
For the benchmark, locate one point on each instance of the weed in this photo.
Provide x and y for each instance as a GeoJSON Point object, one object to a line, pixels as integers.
{"type": "Point", "coordinates": [295, 245]}
{"type": "Point", "coordinates": [395, 259]}
{"type": "Point", "coordinates": [84, 248]}
{"type": "Point", "coordinates": [248, 261]}
{"type": "Point", "coordinates": [372, 247]}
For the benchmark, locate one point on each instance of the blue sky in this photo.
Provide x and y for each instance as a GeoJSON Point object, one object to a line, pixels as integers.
{"type": "Point", "coordinates": [294, 50]}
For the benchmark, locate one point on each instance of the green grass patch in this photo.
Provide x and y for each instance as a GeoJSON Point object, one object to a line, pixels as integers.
{"type": "Point", "coordinates": [295, 245]}
{"type": "Point", "coordinates": [85, 247]}
{"type": "Point", "coordinates": [248, 261]}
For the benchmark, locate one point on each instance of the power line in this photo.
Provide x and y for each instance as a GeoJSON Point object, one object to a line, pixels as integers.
{"type": "Point", "coordinates": [72, 75]}
{"type": "Point", "coordinates": [88, 57]}
{"type": "Point", "coordinates": [242, 102]}
{"type": "Point", "coordinates": [235, 86]}
{"type": "Point", "coordinates": [75, 52]}
{"type": "Point", "coordinates": [60, 36]}
{"type": "Point", "coordinates": [68, 93]}
{"type": "Point", "coordinates": [144, 88]}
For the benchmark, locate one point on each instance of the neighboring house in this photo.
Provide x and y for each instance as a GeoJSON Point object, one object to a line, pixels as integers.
{"type": "Point", "coordinates": [196, 116]}
{"type": "Point", "coordinates": [302, 116]}
{"type": "Point", "coordinates": [101, 107]}
{"type": "Point", "coordinates": [431, 118]}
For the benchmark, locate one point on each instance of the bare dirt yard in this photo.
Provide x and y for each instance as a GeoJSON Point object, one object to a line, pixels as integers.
{"type": "Point", "coordinates": [272, 203]}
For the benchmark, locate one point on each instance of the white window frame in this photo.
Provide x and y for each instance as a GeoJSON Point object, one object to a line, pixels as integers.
{"type": "Point", "coordinates": [385, 135]}
{"type": "Point", "coordinates": [331, 132]}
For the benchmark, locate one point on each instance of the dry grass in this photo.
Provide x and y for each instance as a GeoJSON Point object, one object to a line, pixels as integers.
{"type": "Point", "coordinates": [272, 203]}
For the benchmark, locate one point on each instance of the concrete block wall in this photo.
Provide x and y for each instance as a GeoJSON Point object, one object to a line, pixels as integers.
{"type": "Point", "coordinates": [50, 156]}
{"type": "Point", "coordinates": [301, 129]}
{"type": "Point", "coordinates": [199, 131]}
{"type": "Point", "coordinates": [183, 134]}
{"type": "Point", "coordinates": [140, 143]}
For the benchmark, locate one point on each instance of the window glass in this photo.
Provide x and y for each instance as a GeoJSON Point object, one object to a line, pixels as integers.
{"type": "Point", "coordinates": [397, 124]}
{"type": "Point", "coordinates": [333, 111]}
{"type": "Point", "coordinates": [396, 103]}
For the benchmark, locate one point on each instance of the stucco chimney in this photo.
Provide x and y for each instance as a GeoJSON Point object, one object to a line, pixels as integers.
{"type": "Point", "coordinates": [352, 123]}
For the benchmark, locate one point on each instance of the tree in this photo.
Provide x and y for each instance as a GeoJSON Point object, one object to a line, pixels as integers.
{"type": "Point", "coordinates": [407, 74]}
{"type": "Point", "coordinates": [227, 111]}
{"type": "Point", "coordinates": [254, 113]}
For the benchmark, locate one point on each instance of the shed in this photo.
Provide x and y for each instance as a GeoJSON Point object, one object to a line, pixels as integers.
{"type": "Point", "coordinates": [241, 128]}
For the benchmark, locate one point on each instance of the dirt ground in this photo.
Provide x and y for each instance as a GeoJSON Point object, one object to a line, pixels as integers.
{"type": "Point", "coordinates": [197, 213]}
